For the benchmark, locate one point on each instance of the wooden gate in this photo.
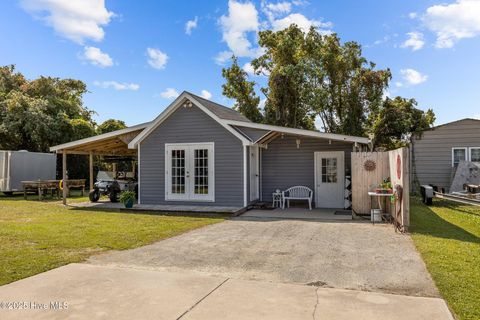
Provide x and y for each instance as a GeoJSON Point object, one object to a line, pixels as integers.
{"type": "Point", "coordinates": [365, 177]}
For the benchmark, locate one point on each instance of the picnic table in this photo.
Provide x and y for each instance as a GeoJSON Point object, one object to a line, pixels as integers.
{"type": "Point", "coordinates": [53, 186]}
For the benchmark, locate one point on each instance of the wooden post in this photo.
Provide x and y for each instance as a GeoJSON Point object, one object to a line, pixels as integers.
{"type": "Point", "coordinates": [64, 176]}
{"type": "Point", "coordinates": [90, 156]}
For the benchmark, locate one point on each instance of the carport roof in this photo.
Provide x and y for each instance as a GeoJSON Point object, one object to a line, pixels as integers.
{"type": "Point", "coordinates": [111, 143]}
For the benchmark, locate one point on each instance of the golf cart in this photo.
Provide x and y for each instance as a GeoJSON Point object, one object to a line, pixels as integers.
{"type": "Point", "coordinates": [111, 184]}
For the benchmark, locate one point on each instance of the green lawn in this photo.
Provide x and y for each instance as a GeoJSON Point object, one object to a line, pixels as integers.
{"type": "Point", "coordinates": [447, 235]}
{"type": "Point", "coordinates": [37, 236]}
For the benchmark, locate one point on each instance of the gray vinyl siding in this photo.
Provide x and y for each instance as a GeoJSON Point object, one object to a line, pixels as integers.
{"type": "Point", "coordinates": [433, 150]}
{"type": "Point", "coordinates": [190, 125]}
{"type": "Point", "coordinates": [284, 166]}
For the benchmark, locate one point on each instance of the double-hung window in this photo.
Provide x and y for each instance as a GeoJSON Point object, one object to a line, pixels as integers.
{"type": "Point", "coordinates": [459, 154]}
{"type": "Point", "coordinates": [475, 154]}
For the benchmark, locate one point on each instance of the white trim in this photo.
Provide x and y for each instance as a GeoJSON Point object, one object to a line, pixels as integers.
{"type": "Point", "coordinates": [174, 106]}
{"type": "Point", "coordinates": [470, 153]}
{"type": "Point", "coordinates": [256, 166]}
{"type": "Point", "coordinates": [459, 148]}
{"type": "Point", "coordinates": [189, 195]}
{"type": "Point", "coordinates": [138, 173]}
{"type": "Point", "coordinates": [301, 132]}
{"type": "Point", "coordinates": [100, 137]}
{"type": "Point", "coordinates": [316, 154]}
{"type": "Point", "coordinates": [245, 202]}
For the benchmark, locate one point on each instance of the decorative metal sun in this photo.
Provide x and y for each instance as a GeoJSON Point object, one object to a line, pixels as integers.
{"type": "Point", "coordinates": [369, 165]}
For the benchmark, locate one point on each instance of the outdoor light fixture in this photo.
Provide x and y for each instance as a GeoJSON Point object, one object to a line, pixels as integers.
{"type": "Point", "coordinates": [298, 143]}
{"type": "Point", "coordinates": [187, 104]}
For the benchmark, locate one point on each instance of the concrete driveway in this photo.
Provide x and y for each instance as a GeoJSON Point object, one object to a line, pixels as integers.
{"type": "Point", "coordinates": [243, 268]}
{"type": "Point", "coordinates": [347, 255]}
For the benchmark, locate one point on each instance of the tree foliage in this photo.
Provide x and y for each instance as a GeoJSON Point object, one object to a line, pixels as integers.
{"type": "Point", "coordinates": [110, 125]}
{"type": "Point", "coordinates": [239, 88]}
{"type": "Point", "coordinates": [397, 121]}
{"type": "Point", "coordinates": [37, 114]}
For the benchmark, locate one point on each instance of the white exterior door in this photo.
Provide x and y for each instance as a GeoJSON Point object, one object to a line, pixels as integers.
{"type": "Point", "coordinates": [329, 179]}
{"type": "Point", "coordinates": [189, 172]}
{"type": "Point", "coordinates": [254, 173]}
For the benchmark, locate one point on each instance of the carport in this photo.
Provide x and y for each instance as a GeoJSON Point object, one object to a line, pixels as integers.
{"type": "Point", "coordinates": [113, 143]}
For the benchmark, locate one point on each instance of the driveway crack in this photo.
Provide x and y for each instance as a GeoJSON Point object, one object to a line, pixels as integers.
{"type": "Point", "coordinates": [316, 304]}
{"type": "Point", "coordinates": [203, 298]}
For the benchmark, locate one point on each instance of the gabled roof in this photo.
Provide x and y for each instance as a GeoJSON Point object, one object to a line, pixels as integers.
{"type": "Point", "coordinates": [299, 132]}
{"type": "Point", "coordinates": [216, 111]}
{"type": "Point", "coordinates": [453, 122]}
{"type": "Point", "coordinates": [220, 111]}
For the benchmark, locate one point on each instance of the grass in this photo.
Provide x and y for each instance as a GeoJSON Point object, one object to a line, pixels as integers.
{"type": "Point", "coordinates": [447, 235]}
{"type": "Point", "coordinates": [38, 236]}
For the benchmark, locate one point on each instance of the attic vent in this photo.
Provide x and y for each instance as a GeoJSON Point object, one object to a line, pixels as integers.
{"type": "Point", "coordinates": [187, 104]}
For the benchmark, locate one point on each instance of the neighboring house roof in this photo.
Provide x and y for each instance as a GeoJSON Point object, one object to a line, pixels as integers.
{"type": "Point", "coordinates": [100, 137]}
{"type": "Point", "coordinates": [453, 122]}
{"type": "Point", "coordinates": [233, 121]}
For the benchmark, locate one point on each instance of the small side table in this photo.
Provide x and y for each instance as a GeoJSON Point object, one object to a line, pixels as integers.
{"type": "Point", "coordinates": [277, 199]}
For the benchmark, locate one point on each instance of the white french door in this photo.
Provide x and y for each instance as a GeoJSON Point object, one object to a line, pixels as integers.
{"type": "Point", "coordinates": [329, 179]}
{"type": "Point", "coordinates": [189, 172]}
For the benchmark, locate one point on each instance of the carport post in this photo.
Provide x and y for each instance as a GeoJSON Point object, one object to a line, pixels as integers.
{"type": "Point", "coordinates": [64, 176]}
{"type": "Point", "coordinates": [90, 165]}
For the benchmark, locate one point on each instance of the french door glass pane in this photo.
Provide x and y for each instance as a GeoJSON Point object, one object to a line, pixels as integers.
{"type": "Point", "coordinates": [201, 171]}
{"type": "Point", "coordinates": [178, 172]}
{"type": "Point", "coordinates": [475, 154]}
{"type": "Point", "coordinates": [329, 170]}
{"type": "Point", "coordinates": [459, 155]}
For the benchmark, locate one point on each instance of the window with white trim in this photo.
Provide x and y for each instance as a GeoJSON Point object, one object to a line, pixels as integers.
{"type": "Point", "coordinates": [189, 171]}
{"type": "Point", "coordinates": [475, 154]}
{"type": "Point", "coordinates": [458, 154]}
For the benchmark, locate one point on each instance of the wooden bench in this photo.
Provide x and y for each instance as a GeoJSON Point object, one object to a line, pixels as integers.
{"type": "Point", "coordinates": [297, 193]}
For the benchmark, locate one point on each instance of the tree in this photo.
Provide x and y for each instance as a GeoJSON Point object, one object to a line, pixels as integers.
{"type": "Point", "coordinates": [284, 61]}
{"type": "Point", "coordinates": [110, 125]}
{"type": "Point", "coordinates": [37, 114]}
{"type": "Point", "coordinates": [340, 84]}
{"type": "Point", "coordinates": [239, 88]}
{"type": "Point", "coordinates": [397, 121]}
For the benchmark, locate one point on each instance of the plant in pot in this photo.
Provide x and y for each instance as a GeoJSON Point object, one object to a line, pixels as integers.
{"type": "Point", "coordinates": [385, 186]}
{"type": "Point", "coordinates": [127, 198]}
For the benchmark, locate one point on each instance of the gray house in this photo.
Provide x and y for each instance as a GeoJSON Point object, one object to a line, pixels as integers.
{"type": "Point", "coordinates": [200, 153]}
{"type": "Point", "coordinates": [437, 152]}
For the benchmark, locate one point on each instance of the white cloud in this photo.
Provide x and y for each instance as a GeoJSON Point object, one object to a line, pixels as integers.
{"type": "Point", "coordinates": [415, 41]}
{"type": "Point", "coordinates": [190, 25]}
{"type": "Point", "coordinates": [76, 20]}
{"type": "Point", "coordinates": [157, 59]}
{"type": "Point", "coordinates": [413, 77]}
{"type": "Point", "coordinates": [275, 9]}
{"type": "Point", "coordinates": [248, 68]}
{"type": "Point", "coordinates": [412, 15]}
{"type": "Point", "coordinates": [398, 84]}
{"type": "Point", "coordinates": [477, 116]}
{"type": "Point", "coordinates": [117, 85]}
{"type": "Point", "coordinates": [169, 93]}
{"type": "Point", "coordinates": [96, 57]}
{"type": "Point", "coordinates": [222, 57]}
{"type": "Point", "coordinates": [301, 21]}
{"type": "Point", "coordinates": [452, 22]}
{"type": "Point", "coordinates": [242, 18]}
{"type": "Point", "coordinates": [205, 94]}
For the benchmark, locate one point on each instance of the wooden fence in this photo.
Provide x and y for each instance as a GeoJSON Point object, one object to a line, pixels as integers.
{"type": "Point", "coordinates": [393, 164]}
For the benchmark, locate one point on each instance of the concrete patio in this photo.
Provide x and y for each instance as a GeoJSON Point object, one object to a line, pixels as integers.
{"type": "Point", "coordinates": [300, 214]}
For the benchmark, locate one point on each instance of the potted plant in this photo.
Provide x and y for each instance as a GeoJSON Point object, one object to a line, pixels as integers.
{"type": "Point", "coordinates": [127, 198]}
{"type": "Point", "coordinates": [385, 186]}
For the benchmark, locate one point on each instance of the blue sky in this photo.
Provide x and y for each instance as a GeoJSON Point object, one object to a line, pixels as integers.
{"type": "Point", "coordinates": [135, 56]}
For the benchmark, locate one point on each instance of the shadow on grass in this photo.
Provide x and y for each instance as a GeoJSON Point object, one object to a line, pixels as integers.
{"type": "Point", "coordinates": [154, 213]}
{"type": "Point", "coordinates": [425, 221]}
{"type": "Point", "coordinates": [18, 196]}
{"type": "Point", "coordinates": [460, 207]}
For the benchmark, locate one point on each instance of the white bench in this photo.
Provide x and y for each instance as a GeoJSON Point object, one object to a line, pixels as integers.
{"type": "Point", "coordinates": [297, 193]}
